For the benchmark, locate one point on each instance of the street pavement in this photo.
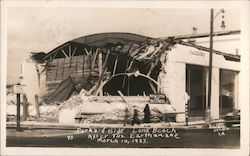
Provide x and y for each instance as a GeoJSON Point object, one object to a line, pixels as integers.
{"type": "Point", "coordinates": [118, 136]}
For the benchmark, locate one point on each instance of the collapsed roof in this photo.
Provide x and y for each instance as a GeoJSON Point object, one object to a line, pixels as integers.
{"type": "Point", "coordinates": [123, 54]}
{"type": "Point", "coordinates": [97, 41]}
{"type": "Point", "coordinates": [131, 61]}
{"type": "Point", "coordinates": [116, 39]}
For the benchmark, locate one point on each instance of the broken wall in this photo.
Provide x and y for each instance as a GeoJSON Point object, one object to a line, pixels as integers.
{"type": "Point", "coordinates": [82, 69]}
{"type": "Point", "coordinates": [172, 81]}
{"type": "Point", "coordinates": [121, 53]}
{"type": "Point", "coordinates": [30, 80]}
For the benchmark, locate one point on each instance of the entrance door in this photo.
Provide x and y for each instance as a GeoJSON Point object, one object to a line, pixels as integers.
{"type": "Point", "coordinates": [196, 89]}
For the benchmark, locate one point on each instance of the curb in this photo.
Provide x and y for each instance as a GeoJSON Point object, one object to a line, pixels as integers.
{"type": "Point", "coordinates": [46, 125]}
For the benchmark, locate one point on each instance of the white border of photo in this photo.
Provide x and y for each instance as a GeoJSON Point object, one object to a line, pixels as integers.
{"type": "Point", "coordinates": [244, 6]}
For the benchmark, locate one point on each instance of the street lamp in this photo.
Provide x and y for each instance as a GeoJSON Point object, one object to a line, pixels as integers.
{"type": "Point", "coordinates": [212, 17]}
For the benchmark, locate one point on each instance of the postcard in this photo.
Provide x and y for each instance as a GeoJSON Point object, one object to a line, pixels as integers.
{"type": "Point", "coordinates": [124, 78]}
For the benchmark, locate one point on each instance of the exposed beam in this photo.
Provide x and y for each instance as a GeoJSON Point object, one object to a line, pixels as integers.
{"type": "Point", "coordinates": [114, 70]}
{"type": "Point", "coordinates": [237, 57]}
{"type": "Point", "coordinates": [151, 68]}
{"type": "Point", "coordinates": [100, 63]}
{"type": "Point", "coordinates": [65, 53]}
{"type": "Point", "coordinates": [54, 51]}
{"type": "Point", "coordinates": [104, 69]}
{"type": "Point", "coordinates": [86, 51]}
{"type": "Point", "coordinates": [124, 78]}
{"type": "Point", "coordinates": [76, 65]}
{"type": "Point", "coordinates": [55, 55]}
{"type": "Point", "coordinates": [100, 69]}
{"type": "Point", "coordinates": [123, 98]}
{"type": "Point", "coordinates": [83, 64]}
{"type": "Point", "coordinates": [91, 49]}
{"type": "Point", "coordinates": [128, 89]}
{"type": "Point", "coordinates": [70, 62]}
{"type": "Point", "coordinates": [148, 52]}
{"type": "Point", "coordinates": [202, 35]}
{"type": "Point", "coordinates": [57, 64]}
{"type": "Point", "coordinates": [63, 67]}
{"type": "Point", "coordinates": [93, 88]}
{"type": "Point", "coordinates": [129, 74]}
{"type": "Point", "coordinates": [130, 65]}
{"type": "Point", "coordinates": [74, 51]}
{"type": "Point", "coordinates": [69, 50]}
{"type": "Point", "coordinates": [93, 63]}
{"type": "Point", "coordinates": [152, 87]}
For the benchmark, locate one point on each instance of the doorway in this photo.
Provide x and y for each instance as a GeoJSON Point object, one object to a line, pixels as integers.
{"type": "Point", "coordinates": [196, 89]}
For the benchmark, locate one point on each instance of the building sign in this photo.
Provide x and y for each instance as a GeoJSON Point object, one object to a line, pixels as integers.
{"type": "Point", "coordinates": [18, 89]}
{"type": "Point", "coordinates": [197, 53]}
{"type": "Point", "coordinates": [157, 99]}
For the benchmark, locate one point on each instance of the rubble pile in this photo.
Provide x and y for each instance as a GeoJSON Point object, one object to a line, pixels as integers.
{"type": "Point", "coordinates": [49, 111]}
{"type": "Point", "coordinates": [72, 102]}
{"type": "Point", "coordinates": [112, 115]}
{"type": "Point", "coordinates": [90, 109]}
{"type": "Point", "coordinates": [93, 109]}
{"type": "Point", "coordinates": [10, 99]}
{"type": "Point", "coordinates": [115, 114]}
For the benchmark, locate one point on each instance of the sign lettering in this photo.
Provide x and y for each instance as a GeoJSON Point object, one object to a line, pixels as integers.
{"type": "Point", "coordinates": [157, 98]}
{"type": "Point", "coordinates": [197, 53]}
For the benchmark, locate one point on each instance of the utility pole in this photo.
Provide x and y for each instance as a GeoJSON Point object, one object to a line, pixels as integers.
{"type": "Point", "coordinates": [208, 105]}
{"type": "Point", "coordinates": [18, 90]}
{"type": "Point", "coordinates": [18, 128]}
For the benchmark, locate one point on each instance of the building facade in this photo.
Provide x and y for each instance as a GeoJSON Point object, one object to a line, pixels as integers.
{"type": "Point", "coordinates": [140, 66]}
{"type": "Point", "coordinates": [187, 73]}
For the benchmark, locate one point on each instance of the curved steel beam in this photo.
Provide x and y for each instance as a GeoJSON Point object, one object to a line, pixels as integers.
{"type": "Point", "coordinates": [128, 74]}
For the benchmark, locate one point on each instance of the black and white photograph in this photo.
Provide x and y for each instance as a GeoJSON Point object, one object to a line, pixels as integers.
{"type": "Point", "coordinates": [143, 77]}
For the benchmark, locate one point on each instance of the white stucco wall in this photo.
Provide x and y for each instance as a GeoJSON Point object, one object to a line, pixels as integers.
{"type": "Point", "coordinates": [225, 43]}
{"type": "Point", "coordinates": [173, 86]}
{"type": "Point", "coordinates": [238, 91]}
{"type": "Point", "coordinates": [185, 54]}
{"type": "Point", "coordinates": [215, 94]}
{"type": "Point", "coordinates": [177, 87]}
{"type": "Point", "coordinates": [174, 82]}
{"type": "Point", "coordinates": [30, 80]}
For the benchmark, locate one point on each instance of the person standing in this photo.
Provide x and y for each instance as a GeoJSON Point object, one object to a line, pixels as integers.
{"type": "Point", "coordinates": [126, 116]}
{"type": "Point", "coordinates": [136, 119]}
{"type": "Point", "coordinates": [146, 114]}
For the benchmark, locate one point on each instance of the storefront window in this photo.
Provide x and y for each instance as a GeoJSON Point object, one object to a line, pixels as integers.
{"type": "Point", "coordinates": [196, 89]}
{"type": "Point", "coordinates": [228, 94]}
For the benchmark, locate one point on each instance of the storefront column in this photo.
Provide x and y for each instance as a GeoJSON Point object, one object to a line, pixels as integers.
{"type": "Point", "coordinates": [236, 91]}
{"type": "Point", "coordinates": [175, 87]}
{"type": "Point", "coordinates": [215, 94]}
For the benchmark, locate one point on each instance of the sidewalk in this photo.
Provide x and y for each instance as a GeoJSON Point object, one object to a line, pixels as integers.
{"type": "Point", "coordinates": [48, 125]}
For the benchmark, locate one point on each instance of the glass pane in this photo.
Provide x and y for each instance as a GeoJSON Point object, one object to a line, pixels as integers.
{"type": "Point", "coordinates": [227, 91]}
{"type": "Point", "coordinates": [196, 89]}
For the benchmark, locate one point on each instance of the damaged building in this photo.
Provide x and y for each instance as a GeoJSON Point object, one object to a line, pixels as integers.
{"type": "Point", "coordinates": [171, 74]}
